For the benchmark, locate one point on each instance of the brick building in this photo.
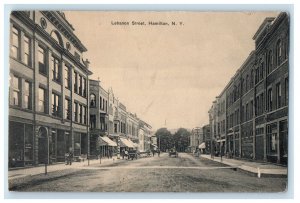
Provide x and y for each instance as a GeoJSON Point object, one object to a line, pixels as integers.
{"type": "Point", "coordinates": [48, 93]}
{"type": "Point", "coordinates": [256, 111]}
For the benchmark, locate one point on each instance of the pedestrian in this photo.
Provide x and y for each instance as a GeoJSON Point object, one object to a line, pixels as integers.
{"type": "Point", "coordinates": [153, 152]}
{"type": "Point", "coordinates": [123, 153]}
{"type": "Point", "coordinates": [70, 157]}
{"type": "Point", "coordinates": [158, 152]}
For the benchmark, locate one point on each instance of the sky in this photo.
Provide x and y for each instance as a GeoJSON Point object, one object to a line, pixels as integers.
{"type": "Point", "coordinates": [168, 75]}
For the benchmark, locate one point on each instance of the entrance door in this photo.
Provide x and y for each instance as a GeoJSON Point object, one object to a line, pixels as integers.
{"type": "Point", "coordinates": [42, 146]}
{"type": "Point", "coordinates": [283, 142]}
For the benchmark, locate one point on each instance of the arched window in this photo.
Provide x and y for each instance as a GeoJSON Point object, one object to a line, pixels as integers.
{"type": "Point", "coordinates": [279, 52]}
{"type": "Point", "coordinates": [92, 100]}
{"type": "Point", "coordinates": [56, 36]}
{"type": "Point", "coordinates": [270, 62]}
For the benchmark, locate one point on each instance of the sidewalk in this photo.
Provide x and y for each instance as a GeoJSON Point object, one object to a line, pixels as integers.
{"type": "Point", "coordinates": [255, 168]}
{"type": "Point", "coordinates": [23, 172]}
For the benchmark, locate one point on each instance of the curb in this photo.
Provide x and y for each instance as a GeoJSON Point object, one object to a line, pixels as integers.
{"type": "Point", "coordinates": [254, 171]}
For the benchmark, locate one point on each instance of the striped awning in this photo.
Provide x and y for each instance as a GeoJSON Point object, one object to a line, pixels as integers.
{"type": "Point", "coordinates": [105, 141]}
{"type": "Point", "coordinates": [126, 143]}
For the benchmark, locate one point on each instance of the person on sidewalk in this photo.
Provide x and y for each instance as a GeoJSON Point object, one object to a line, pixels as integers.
{"type": "Point", "coordinates": [158, 152]}
{"type": "Point", "coordinates": [70, 157]}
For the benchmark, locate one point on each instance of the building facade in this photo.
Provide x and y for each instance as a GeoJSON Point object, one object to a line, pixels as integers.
{"type": "Point", "coordinates": [256, 124]}
{"type": "Point", "coordinates": [48, 94]}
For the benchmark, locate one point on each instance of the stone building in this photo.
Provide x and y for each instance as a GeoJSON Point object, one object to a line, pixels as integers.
{"type": "Point", "coordinates": [48, 93]}
{"type": "Point", "coordinates": [257, 98]}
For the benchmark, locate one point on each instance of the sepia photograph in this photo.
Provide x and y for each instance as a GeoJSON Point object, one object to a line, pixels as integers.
{"type": "Point", "coordinates": [148, 101]}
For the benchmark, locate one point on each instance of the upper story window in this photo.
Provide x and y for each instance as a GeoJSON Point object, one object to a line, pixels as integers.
{"type": "Point", "coordinates": [42, 60]}
{"type": "Point", "coordinates": [279, 52]}
{"type": "Point", "coordinates": [67, 77]}
{"type": "Point", "coordinates": [262, 66]}
{"type": "Point", "coordinates": [270, 99]}
{"type": "Point", "coordinates": [92, 100]}
{"type": "Point", "coordinates": [278, 95]}
{"type": "Point", "coordinates": [270, 62]}
{"type": "Point", "coordinates": [15, 91]}
{"type": "Point", "coordinates": [15, 43]}
{"type": "Point", "coordinates": [75, 111]}
{"type": "Point", "coordinates": [67, 109]}
{"type": "Point", "coordinates": [55, 69]}
{"type": "Point", "coordinates": [27, 95]}
{"type": "Point", "coordinates": [56, 36]}
{"type": "Point", "coordinates": [56, 105]}
{"type": "Point", "coordinates": [27, 55]}
{"type": "Point", "coordinates": [42, 99]}
{"type": "Point", "coordinates": [84, 87]}
{"type": "Point", "coordinates": [75, 82]}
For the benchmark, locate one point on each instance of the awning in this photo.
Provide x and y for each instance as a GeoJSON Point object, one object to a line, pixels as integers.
{"type": "Point", "coordinates": [126, 143]}
{"type": "Point", "coordinates": [105, 141]}
{"type": "Point", "coordinates": [135, 145]}
{"type": "Point", "coordinates": [223, 140]}
{"type": "Point", "coordinates": [202, 145]}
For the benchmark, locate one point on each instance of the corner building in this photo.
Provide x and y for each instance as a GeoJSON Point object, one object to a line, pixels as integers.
{"type": "Point", "coordinates": [48, 93]}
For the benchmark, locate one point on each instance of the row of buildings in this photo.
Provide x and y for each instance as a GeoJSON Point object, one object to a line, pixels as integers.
{"type": "Point", "coordinates": [249, 118]}
{"type": "Point", "coordinates": [54, 106]}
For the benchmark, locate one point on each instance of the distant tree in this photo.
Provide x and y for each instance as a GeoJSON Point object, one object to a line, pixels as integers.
{"type": "Point", "coordinates": [164, 139]}
{"type": "Point", "coordinates": [181, 139]}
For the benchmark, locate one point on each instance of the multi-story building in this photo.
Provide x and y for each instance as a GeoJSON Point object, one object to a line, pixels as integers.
{"type": "Point", "coordinates": [256, 111]}
{"type": "Point", "coordinates": [206, 139]}
{"type": "Point", "coordinates": [196, 138]}
{"type": "Point", "coordinates": [98, 117]}
{"type": "Point", "coordinates": [132, 127]}
{"type": "Point", "coordinates": [144, 135]}
{"type": "Point", "coordinates": [48, 94]}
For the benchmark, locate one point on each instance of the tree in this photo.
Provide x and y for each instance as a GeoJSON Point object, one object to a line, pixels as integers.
{"type": "Point", "coordinates": [181, 139]}
{"type": "Point", "coordinates": [164, 138]}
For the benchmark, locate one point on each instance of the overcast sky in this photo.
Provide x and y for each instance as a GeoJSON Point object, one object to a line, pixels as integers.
{"type": "Point", "coordinates": [170, 73]}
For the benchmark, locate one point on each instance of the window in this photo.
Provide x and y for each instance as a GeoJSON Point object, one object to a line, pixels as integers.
{"type": "Point", "coordinates": [27, 95]}
{"type": "Point", "coordinates": [92, 100]}
{"type": "Point", "coordinates": [84, 87]}
{"type": "Point", "coordinates": [269, 99]}
{"type": "Point", "coordinates": [56, 106]}
{"type": "Point", "coordinates": [261, 69]}
{"type": "Point", "coordinates": [16, 91]}
{"type": "Point", "coordinates": [55, 69]}
{"type": "Point", "coordinates": [251, 109]}
{"type": "Point", "coordinates": [279, 52]}
{"type": "Point", "coordinates": [67, 77]}
{"type": "Point", "coordinates": [80, 113]}
{"type": "Point", "coordinates": [247, 112]}
{"type": "Point", "coordinates": [26, 56]}
{"type": "Point", "coordinates": [100, 102]}
{"type": "Point", "coordinates": [42, 60]}
{"type": "Point", "coordinates": [92, 121]}
{"type": "Point", "coordinates": [15, 43]}
{"type": "Point", "coordinates": [75, 111]}
{"type": "Point", "coordinates": [75, 82]}
{"type": "Point", "coordinates": [84, 114]}
{"type": "Point", "coordinates": [286, 90]}
{"type": "Point", "coordinates": [42, 100]}
{"type": "Point", "coordinates": [270, 62]}
{"type": "Point", "coordinates": [251, 79]}
{"type": "Point", "coordinates": [80, 85]}
{"type": "Point", "coordinates": [67, 109]}
{"type": "Point", "coordinates": [278, 95]}
{"type": "Point", "coordinates": [256, 75]}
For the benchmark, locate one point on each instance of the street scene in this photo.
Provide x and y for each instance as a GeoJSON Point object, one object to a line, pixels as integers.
{"type": "Point", "coordinates": [148, 101]}
{"type": "Point", "coordinates": [185, 173]}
